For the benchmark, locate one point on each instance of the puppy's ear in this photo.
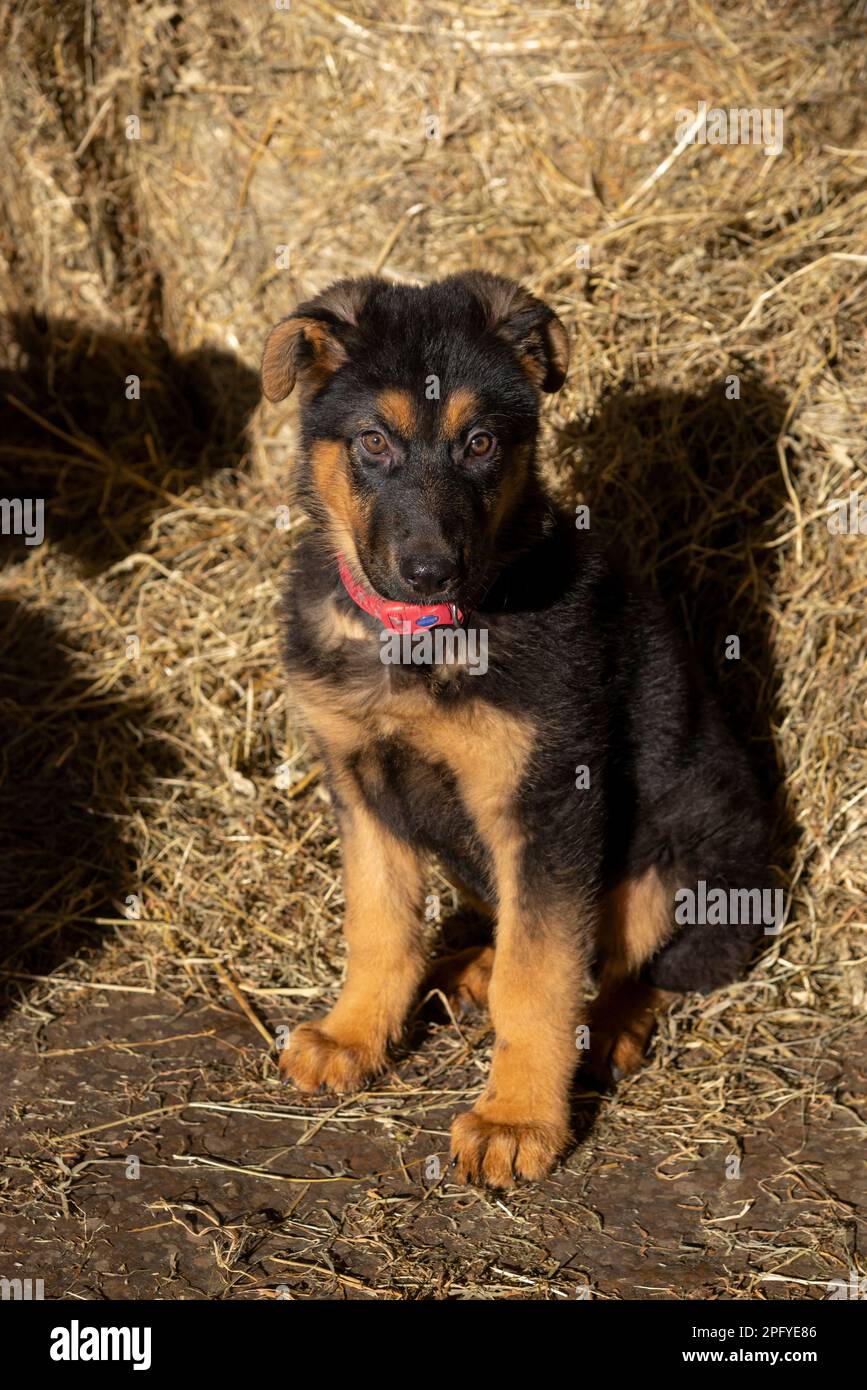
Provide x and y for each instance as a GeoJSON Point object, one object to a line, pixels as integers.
{"type": "Point", "coordinates": [526, 323]}
{"type": "Point", "coordinates": [313, 341]}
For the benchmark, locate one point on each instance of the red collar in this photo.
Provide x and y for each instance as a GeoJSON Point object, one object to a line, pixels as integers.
{"type": "Point", "coordinates": [400, 617]}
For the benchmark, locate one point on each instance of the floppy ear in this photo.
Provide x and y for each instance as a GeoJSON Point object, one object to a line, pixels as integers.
{"type": "Point", "coordinates": [526, 323]}
{"type": "Point", "coordinates": [312, 342]}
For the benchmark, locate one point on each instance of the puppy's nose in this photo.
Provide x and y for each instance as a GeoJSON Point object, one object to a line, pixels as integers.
{"type": "Point", "coordinates": [428, 573]}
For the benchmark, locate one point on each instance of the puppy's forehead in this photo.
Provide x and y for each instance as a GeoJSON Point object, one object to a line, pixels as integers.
{"type": "Point", "coordinates": [426, 365]}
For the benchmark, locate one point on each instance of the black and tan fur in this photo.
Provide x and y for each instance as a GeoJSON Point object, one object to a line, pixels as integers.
{"type": "Point", "coordinates": [434, 495]}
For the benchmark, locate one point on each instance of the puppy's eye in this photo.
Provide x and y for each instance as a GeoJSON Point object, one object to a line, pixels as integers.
{"type": "Point", "coordinates": [374, 442]}
{"type": "Point", "coordinates": [481, 444]}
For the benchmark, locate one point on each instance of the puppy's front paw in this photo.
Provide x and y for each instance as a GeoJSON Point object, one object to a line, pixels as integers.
{"type": "Point", "coordinates": [314, 1060]}
{"type": "Point", "coordinates": [497, 1151]}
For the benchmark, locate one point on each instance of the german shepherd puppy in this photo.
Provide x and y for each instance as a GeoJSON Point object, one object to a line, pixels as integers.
{"type": "Point", "coordinates": [576, 785]}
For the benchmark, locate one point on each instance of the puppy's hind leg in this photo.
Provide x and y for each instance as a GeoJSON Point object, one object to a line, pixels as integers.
{"type": "Point", "coordinates": [637, 920]}
{"type": "Point", "coordinates": [464, 978]}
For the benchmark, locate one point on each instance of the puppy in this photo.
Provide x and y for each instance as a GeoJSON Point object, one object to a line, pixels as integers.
{"type": "Point", "coordinates": [574, 786]}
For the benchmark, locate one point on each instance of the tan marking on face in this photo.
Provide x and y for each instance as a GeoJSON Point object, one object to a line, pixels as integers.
{"type": "Point", "coordinates": [347, 517]}
{"type": "Point", "coordinates": [397, 409]}
{"type": "Point", "coordinates": [513, 486]}
{"type": "Point", "coordinates": [459, 411]}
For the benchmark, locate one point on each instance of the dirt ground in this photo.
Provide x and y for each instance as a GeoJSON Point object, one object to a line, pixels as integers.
{"type": "Point", "coordinates": [175, 178]}
{"type": "Point", "coordinates": [246, 1192]}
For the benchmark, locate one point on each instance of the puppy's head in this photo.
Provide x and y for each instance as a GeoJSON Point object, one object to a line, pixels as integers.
{"type": "Point", "coordinates": [419, 411]}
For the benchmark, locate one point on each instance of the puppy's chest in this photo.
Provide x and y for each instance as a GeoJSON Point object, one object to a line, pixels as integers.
{"type": "Point", "coordinates": [374, 710]}
{"type": "Point", "coordinates": [417, 735]}
{"type": "Point", "coordinates": [365, 687]}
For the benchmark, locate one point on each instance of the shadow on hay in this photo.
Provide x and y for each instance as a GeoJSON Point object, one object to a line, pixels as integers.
{"type": "Point", "coordinates": [73, 434]}
{"type": "Point", "coordinates": [686, 487]}
{"type": "Point", "coordinates": [74, 760]}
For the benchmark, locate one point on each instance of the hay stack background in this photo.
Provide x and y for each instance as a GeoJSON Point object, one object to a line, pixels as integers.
{"type": "Point", "coordinates": [150, 762]}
